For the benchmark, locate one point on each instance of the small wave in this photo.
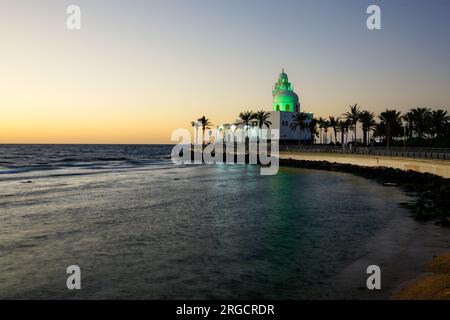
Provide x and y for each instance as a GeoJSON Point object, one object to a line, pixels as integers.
{"type": "Point", "coordinates": [93, 159]}
{"type": "Point", "coordinates": [14, 170]}
{"type": "Point", "coordinates": [26, 158]}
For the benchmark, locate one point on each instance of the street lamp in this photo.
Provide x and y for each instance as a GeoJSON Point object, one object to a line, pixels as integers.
{"type": "Point", "coordinates": [197, 124]}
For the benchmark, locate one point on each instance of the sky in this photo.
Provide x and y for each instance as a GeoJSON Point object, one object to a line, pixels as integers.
{"type": "Point", "coordinates": [137, 70]}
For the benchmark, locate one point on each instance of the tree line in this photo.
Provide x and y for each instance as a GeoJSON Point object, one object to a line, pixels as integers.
{"type": "Point", "coordinates": [422, 127]}
{"type": "Point", "coordinates": [419, 127]}
{"type": "Point", "coordinates": [246, 118]}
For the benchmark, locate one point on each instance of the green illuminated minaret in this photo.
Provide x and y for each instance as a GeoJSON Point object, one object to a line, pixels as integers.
{"type": "Point", "coordinates": [284, 97]}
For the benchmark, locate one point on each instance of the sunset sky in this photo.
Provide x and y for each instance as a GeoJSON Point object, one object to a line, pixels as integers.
{"type": "Point", "coordinates": [139, 69]}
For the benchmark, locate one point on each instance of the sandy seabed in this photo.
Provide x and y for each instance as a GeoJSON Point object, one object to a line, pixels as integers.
{"type": "Point", "coordinates": [433, 285]}
{"type": "Point", "coordinates": [414, 259]}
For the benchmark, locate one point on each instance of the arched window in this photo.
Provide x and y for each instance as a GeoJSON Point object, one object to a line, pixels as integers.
{"type": "Point", "coordinates": [278, 107]}
{"type": "Point", "coordinates": [288, 108]}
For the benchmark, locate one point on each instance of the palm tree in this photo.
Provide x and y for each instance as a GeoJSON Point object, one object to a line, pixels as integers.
{"type": "Point", "coordinates": [421, 117]}
{"type": "Point", "coordinates": [205, 123]}
{"type": "Point", "coordinates": [409, 119]}
{"type": "Point", "coordinates": [263, 119]}
{"type": "Point", "coordinates": [320, 123]}
{"type": "Point", "coordinates": [245, 118]}
{"type": "Point", "coordinates": [325, 126]}
{"type": "Point", "coordinates": [439, 120]}
{"type": "Point", "coordinates": [334, 123]}
{"type": "Point", "coordinates": [312, 127]}
{"type": "Point", "coordinates": [299, 121]}
{"type": "Point", "coordinates": [390, 123]}
{"type": "Point", "coordinates": [344, 126]}
{"type": "Point", "coordinates": [353, 116]}
{"type": "Point", "coordinates": [368, 123]}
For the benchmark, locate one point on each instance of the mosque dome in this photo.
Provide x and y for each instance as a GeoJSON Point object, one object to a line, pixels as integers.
{"type": "Point", "coordinates": [284, 97]}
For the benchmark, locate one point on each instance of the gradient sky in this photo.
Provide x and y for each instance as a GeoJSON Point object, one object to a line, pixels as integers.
{"type": "Point", "coordinates": [139, 69]}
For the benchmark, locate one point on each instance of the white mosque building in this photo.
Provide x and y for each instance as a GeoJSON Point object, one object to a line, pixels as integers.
{"type": "Point", "coordinates": [286, 103]}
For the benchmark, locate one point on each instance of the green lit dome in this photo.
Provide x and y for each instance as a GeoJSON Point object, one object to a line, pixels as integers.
{"type": "Point", "coordinates": [287, 99]}
{"type": "Point", "coordinates": [284, 97]}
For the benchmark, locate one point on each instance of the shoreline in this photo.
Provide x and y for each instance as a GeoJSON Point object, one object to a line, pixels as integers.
{"type": "Point", "coordinates": [432, 200]}
{"type": "Point", "coordinates": [405, 246]}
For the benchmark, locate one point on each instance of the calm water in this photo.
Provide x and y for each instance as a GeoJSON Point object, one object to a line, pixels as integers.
{"type": "Point", "coordinates": [141, 227]}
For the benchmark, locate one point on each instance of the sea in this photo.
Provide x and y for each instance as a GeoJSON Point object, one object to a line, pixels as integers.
{"type": "Point", "coordinates": [141, 227]}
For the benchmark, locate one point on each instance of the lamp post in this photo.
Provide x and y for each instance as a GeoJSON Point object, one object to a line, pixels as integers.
{"type": "Point", "coordinates": [197, 124]}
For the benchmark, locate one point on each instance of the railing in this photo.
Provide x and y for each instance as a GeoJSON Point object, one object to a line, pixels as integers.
{"type": "Point", "coordinates": [420, 153]}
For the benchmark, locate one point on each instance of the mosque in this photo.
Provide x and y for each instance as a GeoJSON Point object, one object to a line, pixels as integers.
{"type": "Point", "coordinates": [286, 103]}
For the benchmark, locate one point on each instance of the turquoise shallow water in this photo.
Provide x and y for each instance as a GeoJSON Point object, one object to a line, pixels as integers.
{"type": "Point", "coordinates": [158, 231]}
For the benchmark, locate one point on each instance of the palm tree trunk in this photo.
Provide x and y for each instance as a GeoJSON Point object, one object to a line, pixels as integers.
{"type": "Point", "coordinates": [388, 137]}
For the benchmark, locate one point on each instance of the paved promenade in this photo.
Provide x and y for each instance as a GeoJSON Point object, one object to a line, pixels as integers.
{"type": "Point", "coordinates": [437, 167]}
